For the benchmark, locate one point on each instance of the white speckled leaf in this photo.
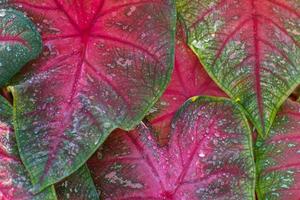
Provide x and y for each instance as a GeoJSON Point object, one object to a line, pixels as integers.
{"type": "Point", "coordinates": [15, 182]}
{"type": "Point", "coordinates": [78, 186]}
{"type": "Point", "coordinates": [104, 64]}
{"type": "Point", "coordinates": [20, 42]}
{"type": "Point", "coordinates": [251, 48]}
{"type": "Point", "coordinates": [278, 157]}
{"type": "Point", "coordinates": [209, 156]}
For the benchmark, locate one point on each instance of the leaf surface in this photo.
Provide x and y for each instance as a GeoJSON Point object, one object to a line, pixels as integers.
{"type": "Point", "coordinates": [250, 48]}
{"type": "Point", "coordinates": [14, 180]}
{"type": "Point", "coordinates": [208, 157]}
{"type": "Point", "coordinates": [105, 63]}
{"type": "Point", "coordinates": [278, 157]}
{"type": "Point", "coordinates": [78, 186]}
{"type": "Point", "coordinates": [188, 79]}
{"type": "Point", "coordinates": [20, 42]}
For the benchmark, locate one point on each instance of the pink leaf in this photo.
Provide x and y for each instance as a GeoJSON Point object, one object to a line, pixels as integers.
{"type": "Point", "coordinates": [105, 63]}
{"type": "Point", "coordinates": [278, 157]}
{"type": "Point", "coordinates": [188, 79]}
{"type": "Point", "coordinates": [208, 157]}
{"type": "Point", "coordinates": [15, 182]}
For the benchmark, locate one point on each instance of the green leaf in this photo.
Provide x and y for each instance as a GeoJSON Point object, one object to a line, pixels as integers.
{"type": "Point", "coordinates": [188, 79]}
{"type": "Point", "coordinates": [15, 183]}
{"type": "Point", "coordinates": [209, 156]}
{"type": "Point", "coordinates": [79, 185]}
{"type": "Point", "coordinates": [278, 157]}
{"type": "Point", "coordinates": [20, 42]}
{"type": "Point", "coordinates": [250, 48]}
{"type": "Point", "coordinates": [104, 65]}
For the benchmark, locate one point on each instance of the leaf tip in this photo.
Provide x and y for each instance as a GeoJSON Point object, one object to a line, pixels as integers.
{"type": "Point", "coordinates": [193, 99]}
{"type": "Point", "coordinates": [237, 100]}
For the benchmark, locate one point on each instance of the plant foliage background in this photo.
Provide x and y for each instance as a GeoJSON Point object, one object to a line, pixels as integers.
{"type": "Point", "coordinates": [158, 100]}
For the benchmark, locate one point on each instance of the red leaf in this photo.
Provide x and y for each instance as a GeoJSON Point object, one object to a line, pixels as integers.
{"type": "Point", "coordinates": [278, 156]}
{"type": "Point", "coordinates": [104, 65]}
{"type": "Point", "coordinates": [14, 180]}
{"type": "Point", "coordinates": [188, 79]}
{"type": "Point", "coordinates": [20, 43]}
{"type": "Point", "coordinates": [208, 157]}
{"type": "Point", "coordinates": [251, 49]}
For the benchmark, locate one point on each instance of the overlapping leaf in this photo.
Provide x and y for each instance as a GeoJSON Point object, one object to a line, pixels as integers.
{"type": "Point", "coordinates": [250, 47]}
{"type": "Point", "coordinates": [188, 79]}
{"type": "Point", "coordinates": [278, 157]}
{"type": "Point", "coordinates": [15, 183]}
{"type": "Point", "coordinates": [20, 42]}
{"type": "Point", "coordinates": [14, 180]}
{"type": "Point", "coordinates": [78, 186]}
{"type": "Point", "coordinates": [209, 156]}
{"type": "Point", "coordinates": [104, 65]}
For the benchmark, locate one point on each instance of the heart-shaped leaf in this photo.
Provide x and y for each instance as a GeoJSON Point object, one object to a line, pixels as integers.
{"type": "Point", "coordinates": [104, 65]}
{"type": "Point", "coordinates": [251, 48]}
{"type": "Point", "coordinates": [209, 156]}
{"type": "Point", "coordinates": [278, 157]}
{"type": "Point", "coordinates": [188, 79]}
{"type": "Point", "coordinates": [14, 180]}
{"type": "Point", "coordinates": [20, 42]}
{"type": "Point", "coordinates": [78, 186]}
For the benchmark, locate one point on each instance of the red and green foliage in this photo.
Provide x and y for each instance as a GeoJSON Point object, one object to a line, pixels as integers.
{"type": "Point", "coordinates": [188, 79]}
{"type": "Point", "coordinates": [208, 156]}
{"type": "Point", "coordinates": [104, 64]}
{"type": "Point", "coordinates": [278, 157]}
{"type": "Point", "coordinates": [112, 104]}
{"type": "Point", "coordinates": [20, 43]}
{"type": "Point", "coordinates": [251, 49]}
{"type": "Point", "coordinates": [15, 183]}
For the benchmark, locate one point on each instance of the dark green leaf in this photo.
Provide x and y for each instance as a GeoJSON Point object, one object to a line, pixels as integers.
{"type": "Point", "coordinates": [20, 42]}
{"type": "Point", "coordinates": [78, 186]}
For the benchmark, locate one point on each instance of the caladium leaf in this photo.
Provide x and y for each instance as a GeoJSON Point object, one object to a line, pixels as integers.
{"type": "Point", "coordinates": [188, 79]}
{"type": "Point", "coordinates": [20, 42]}
{"type": "Point", "coordinates": [278, 157]}
{"type": "Point", "coordinates": [251, 49]}
{"type": "Point", "coordinates": [14, 180]}
{"type": "Point", "coordinates": [78, 186]}
{"type": "Point", "coordinates": [209, 156]}
{"type": "Point", "coordinates": [104, 65]}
